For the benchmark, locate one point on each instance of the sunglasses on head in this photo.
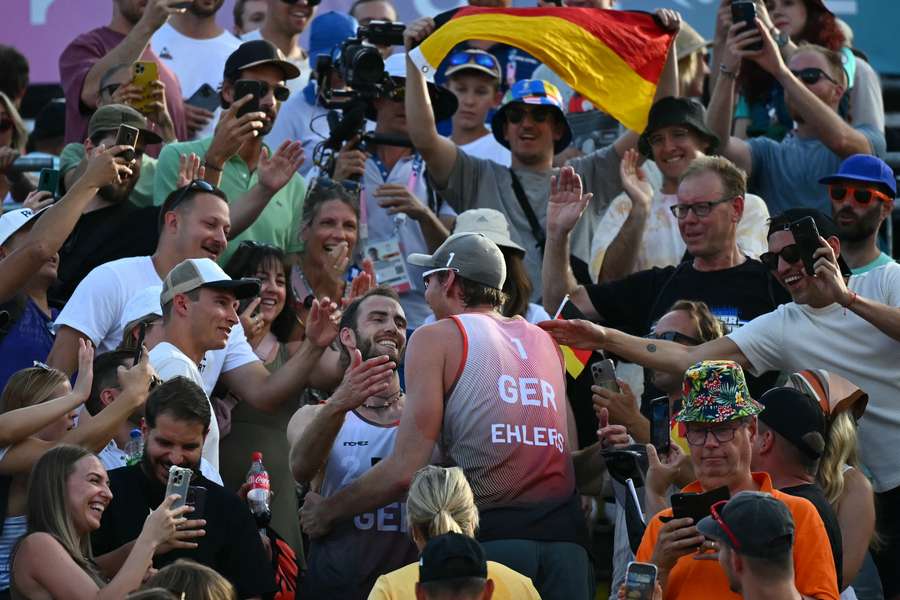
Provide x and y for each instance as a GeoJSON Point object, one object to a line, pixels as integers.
{"type": "Point", "coordinates": [812, 75]}
{"type": "Point", "coordinates": [538, 114]}
{"type": "Point", "coordinates": [474, 58]}
{"type": "Point", "coordinates": [281, 92]}
{"type": "Point", "coordinates": [195, 185]}
{"type": "Point", "coordinates": [714, 512]}
{"type": "Point", "coordinates": [791, 254]}
{"type": "Point", "coordinates": [6, 124]}
{"type": "Point", "coordinates": [860, 195]}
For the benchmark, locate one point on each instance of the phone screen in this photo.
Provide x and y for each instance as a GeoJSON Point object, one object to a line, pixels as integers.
{"type": "Point", "coordinates": [659, 424]}
{"type": "Point", "coordinates": [640, 581]}
{"type": "Point", "coordinates": [745, 12]}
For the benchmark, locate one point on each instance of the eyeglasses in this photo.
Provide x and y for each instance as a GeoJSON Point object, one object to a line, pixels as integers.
{"type": "Point", "coordinates": [791, 254]}
{"type": "Point", "coordinates": [860, 195]}
{"type": "Point", "coordinates": [6, 124]}
{"type": "Point", "coordinates": [675, 336]}
{"type": "Point", "coordinates": [538, 114]}
{"type": "Point", "coordinates": [475, 58]}
{"type": "Point", "coordinates": [812, 75]}
{"type": "Point", "coordinates": [281, 92]}
{"type": "Point", "coordinates": [697, 437]}
{"type": "Point", "coordinates": [700, 209]}
{"type": "Point", "coordinates": [717, 517]}
{"type": "Point", "coordinates": [427, 274]}
{"type": "Point", "coordinates": [396, 93]}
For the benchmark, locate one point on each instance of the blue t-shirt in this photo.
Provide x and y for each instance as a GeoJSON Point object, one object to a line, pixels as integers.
{"type": "Point", "coordinates": [786, 174]}
{"type": "Point", "coordinates": [29, 339]}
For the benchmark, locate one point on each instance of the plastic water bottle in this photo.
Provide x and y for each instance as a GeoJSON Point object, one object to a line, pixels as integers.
{"type": "Point", "coordinates": [258, 496]}
{"type": "Point", "coordinates": [134, 449]}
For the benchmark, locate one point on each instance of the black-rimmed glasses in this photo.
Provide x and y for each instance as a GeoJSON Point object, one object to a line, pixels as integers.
{"type": "Point", "coordinates": [700, 209]}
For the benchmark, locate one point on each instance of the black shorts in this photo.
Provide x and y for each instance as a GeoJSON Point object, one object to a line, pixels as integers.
{"type": "Point", "coordinates": [887, 556]}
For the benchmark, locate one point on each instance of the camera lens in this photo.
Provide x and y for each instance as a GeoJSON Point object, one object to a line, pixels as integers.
{"type": "Point", "coordinates": [366, 66]}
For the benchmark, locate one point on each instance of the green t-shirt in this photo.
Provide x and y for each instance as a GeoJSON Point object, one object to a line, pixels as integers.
{"type": "Point", "coordinates": [882, 259]}
{"type": "Point", "coordinates": [279, 222]}
{"type": "Point", "coordinates": [142, 194]}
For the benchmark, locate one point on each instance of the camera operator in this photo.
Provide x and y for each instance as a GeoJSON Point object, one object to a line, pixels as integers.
{"type": "Point", "coordinates": [397, 216]}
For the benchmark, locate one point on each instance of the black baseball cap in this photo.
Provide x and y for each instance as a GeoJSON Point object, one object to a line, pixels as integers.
{"type": "Point", "coordinates": [796, 417]}
{"type": "Point", "coordinates": [452, 556]}
{"type": "Point", "coordinates": [824, 224]}
{"type": "Point", "coordinates": [671, 111]}
{"type": "Point", "coordinates": [752, 523]}
{"type": "Point", "coordinates": [255, 53]}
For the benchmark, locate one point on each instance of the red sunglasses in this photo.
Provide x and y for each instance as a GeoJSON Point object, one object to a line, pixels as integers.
{"type": "Point", "coordinates": [860, 195]}
{"type": "Point", "coordinates": [714, 512]}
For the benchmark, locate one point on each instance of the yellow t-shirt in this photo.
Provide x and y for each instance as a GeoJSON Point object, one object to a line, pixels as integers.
{"type": "Point", "coordinates": [401, 584]}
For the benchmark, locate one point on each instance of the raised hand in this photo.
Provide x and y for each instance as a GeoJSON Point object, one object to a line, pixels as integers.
{"type": "Point", "coordinates": [362, 379]}
{"type": "Point", "coordinates": [669, 19]}
{"type": "Point", "coordinates": [83, 383]}
{"type": "Point", "coordinates": [828, 277]}
{"type": "Point", "coordinates": [189, 169]}
{"type": "Point", "coordinates": [362, 283]}
{"type": "Point", "coordinates": [611, 436]}
{"type": "Point", "coordinates": [157, 12]}
{"type": "Point", "coordinates": [661, 474]}
{"type": "Point", "coordinates": [634, 180]}
{"type": "Point", "coordinates": [276, 171]}
{"type": "Point", "coordinates": [252, 322]}
{"type": "Point", "coordinates": [395, 198]}
{"type": "Point", "coordinates": [350, 162]}
{"type": "Point", "coordinates": [162, 524]}
{"type": "Point", "coordinates": [322, 322]}
{"type": "Point", "coordinates": [104, 167]}
{"type": "Point", "coordinates": [567, 202]}
{"type": "Point", "coordinates": [621, 407]}
{"type": "Point", "coordinates": [233, 131]}
{"type": "Point", "coordinates": [36, 200]}
{"type": "Point", "coordinates": [417, 31]}
{"type": "Point", "coordinates": [136, 380]}
{"type": "Point", "coordinates": [576, 333]}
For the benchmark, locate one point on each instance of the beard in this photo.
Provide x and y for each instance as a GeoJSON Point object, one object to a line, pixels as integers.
{"type": "Point", "coordinates": [865, 226]}
{"type": "Point", "coordinates": [117, 193]}
{"type": "Point", "coordinates": [368, 349]}
{"type": "Point", "coordinates": [149, 467]}
{"type": "Point", "coordinates": [202, 11]}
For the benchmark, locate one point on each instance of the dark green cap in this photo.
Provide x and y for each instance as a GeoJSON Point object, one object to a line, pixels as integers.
{"type": "Point", "coordinates": [109, 117]}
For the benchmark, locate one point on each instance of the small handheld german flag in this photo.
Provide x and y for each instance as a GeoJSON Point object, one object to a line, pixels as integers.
{"type": "Point", "coordinates": [613, 58]}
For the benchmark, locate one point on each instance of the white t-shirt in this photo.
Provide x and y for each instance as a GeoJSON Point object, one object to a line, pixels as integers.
{"type": "Point", "coordinates": [298, 120]}
{"type": "Point", "coordinates": [488, 148]}
{"type": "Point", "coordinates": [112, 457]}
{"type": "Point", "coordinates": [97, 307]}
{"type": "Point", "coordinates": [795, 337]}
{"type": "Point", "coordinates": [295, 85]}
{"type": "Point", "coordinates": [195, 62]}
{"type": "Point", "coordinates": [170, 362]}
{"type": "Point", "coordinates": [667, 247]}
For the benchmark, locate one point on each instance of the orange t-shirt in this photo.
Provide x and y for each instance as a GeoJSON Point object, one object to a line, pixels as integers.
{"type": "Point", "coordinates": [814, 573]}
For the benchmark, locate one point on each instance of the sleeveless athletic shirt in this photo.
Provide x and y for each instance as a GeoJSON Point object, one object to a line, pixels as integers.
{"type": "Point", "coordinates": [505, 426]}
{"type": "Point", "coordinates": [346, 562]}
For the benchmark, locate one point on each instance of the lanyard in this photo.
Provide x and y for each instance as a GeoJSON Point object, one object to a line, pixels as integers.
{"type": "Point", "coordinates": [415, 172]}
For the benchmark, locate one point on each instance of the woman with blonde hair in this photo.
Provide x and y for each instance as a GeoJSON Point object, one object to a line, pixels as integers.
{"type": "Point", "coordinates": [440, 501]}
{"type": "Point", "coordinates": [193, 581]}
{"type": "Point", "coordinates": [67, 494]}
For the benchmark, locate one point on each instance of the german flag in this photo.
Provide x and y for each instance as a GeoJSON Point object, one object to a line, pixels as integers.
{"type": "Point", "coordinates": [576, 359]}
{"type": "Point", "coordinates": [614, 58]}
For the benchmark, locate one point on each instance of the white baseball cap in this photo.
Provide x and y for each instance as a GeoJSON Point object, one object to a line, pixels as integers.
{"type": "Point", "coordinates": [14, 220]}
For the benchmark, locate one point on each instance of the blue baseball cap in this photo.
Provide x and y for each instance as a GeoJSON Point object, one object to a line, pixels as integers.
{"type": "Point", "coordinates": [536, 92]}
{"type": "Point", "coordinates": [866, 168]}
{"type": "Point", "coordinates": [327, 31]}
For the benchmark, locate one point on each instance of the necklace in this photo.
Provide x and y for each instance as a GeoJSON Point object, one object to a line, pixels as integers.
{"type": "Point", "coordinates": [388, 401]}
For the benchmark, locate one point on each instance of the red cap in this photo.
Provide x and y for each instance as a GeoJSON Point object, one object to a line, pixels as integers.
{"type": "Point", "coordinates": [257, 456]}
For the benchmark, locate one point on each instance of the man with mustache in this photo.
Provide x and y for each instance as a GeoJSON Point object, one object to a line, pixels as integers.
{"type": "Point", "coordinates": [195, 47]}
{"type": "Point", "coordinates": [334, 443]}
{"type": "Point", "coordinates": [235, 158]}
{"type": "Point", "coordinates": [862, 196]}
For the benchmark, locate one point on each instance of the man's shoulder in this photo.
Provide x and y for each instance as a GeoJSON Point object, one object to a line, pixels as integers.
{"type": "Point", "coordinates": [800, 506]}
{"type": "Point", "coordinates": [101, 38]}
{"type": "Point", "coordinates": [198, 147]}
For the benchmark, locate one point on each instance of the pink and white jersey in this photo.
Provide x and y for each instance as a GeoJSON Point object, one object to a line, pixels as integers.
{"type": "Point", "coordinates": [505, 418]}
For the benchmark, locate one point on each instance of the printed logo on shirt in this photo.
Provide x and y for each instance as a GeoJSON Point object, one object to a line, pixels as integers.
{"type": "Point", "coordinates": [729, 317]}
{"type": "Point", "coordinates": [165, 54]}
{"type": "Point", "coordinates": [527, 391]}
{"type": "Point", "coordinates": [390, 518]}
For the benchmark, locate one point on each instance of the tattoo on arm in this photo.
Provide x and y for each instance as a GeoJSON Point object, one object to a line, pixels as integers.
{"type": "Point", "coordinates": [651, 347]}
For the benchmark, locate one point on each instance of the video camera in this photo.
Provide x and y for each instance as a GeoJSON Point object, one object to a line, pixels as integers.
{"type": "Point", "coordinates": [359, 65]}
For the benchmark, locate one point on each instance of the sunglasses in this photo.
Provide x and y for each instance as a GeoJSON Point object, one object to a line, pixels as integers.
{"type": "Point", "coordinates": [538, 114]}
{"type": "Point", "coordinates": [700, 209]}
{"type": "Point", "coordinates": [717, 517]}
{"type": "Point", "coordinates": [396, 93]}
{"type": "Point", "coordinates": [281, 92]}
{"type": "Point", "coordinates": [675, 336]}
{"type": "Point", "coordinates": [812, 75]}
{"type": "Point", "coordinates": [195, 185]}
{"type": "Point", "coordinates": [6, 124]}
{"type": "Point", "coordinates": [475, 58]}
{"type": "Point", "coordinates": [427, 274]}
{"type": "Point", "coordinates": [860, 195]}
{"type": "Point", "coordinates": [791, 254]}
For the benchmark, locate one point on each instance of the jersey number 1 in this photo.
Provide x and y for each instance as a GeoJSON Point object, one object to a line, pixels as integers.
{"type": "Point", "coordinates": [520, 348]}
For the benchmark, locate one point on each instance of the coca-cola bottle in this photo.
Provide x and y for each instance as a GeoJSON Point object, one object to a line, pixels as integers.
{"type": "Point", "coordinates": [258, 496]}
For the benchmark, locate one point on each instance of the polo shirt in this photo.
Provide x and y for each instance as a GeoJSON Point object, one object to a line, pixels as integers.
{"type": "Point", "coordinates": [814, 573]}
{"type": "Point", "coordinates": [279, 222]}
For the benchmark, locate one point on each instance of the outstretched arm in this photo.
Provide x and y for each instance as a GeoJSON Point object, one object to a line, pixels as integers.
{"type": "Point", "coordinates": [439, 152]}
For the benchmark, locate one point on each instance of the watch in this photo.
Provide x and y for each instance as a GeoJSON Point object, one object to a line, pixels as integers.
{"type": "Point", "coordinates": [780, 37]}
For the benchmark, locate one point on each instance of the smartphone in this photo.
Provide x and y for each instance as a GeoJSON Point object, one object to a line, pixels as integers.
{"type": "Point", "coordinates": [243, 304]}
{"type": "Point", "coordinates": [640, 581]}
{"type": "Point", "coordinates": [744, 11]}
{"type": "Point", "coordinates": [660, 424]}
{"type": "Point", "coordinates": [205, 97]}
{"type": "Point", "coordinates": [242, 87]}
{"type": "Point", "coordinates": [127, 136]}
{"type": "Point", "coordinates": [196, 497]}
{"type": "Point", "coordinates": [179, 483]}
{"type": "Point", "coordinates": [604, 374]}
{"type": "Point", "coordinates": [696, 506]}
{"type": "Point", "coordinates": [806, 236]}
{"type": "Point", "coordinates": [139, 351]}
{"type": "Point", "coordinates": [49, 181]}
{"type": "Point", "coordinates": [145, 72]}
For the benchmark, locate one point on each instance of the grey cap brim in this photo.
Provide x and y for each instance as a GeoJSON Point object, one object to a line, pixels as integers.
{"type": "Point", "coordinates": [422, 260]}
{"type": "Point", "coordinates": [708, 527]}
{"type": "Point", "coordinates": [241, 288]}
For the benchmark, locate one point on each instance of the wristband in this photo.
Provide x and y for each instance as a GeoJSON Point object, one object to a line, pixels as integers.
{"type": "Point", "coordinates": [853, 298]}
{"type": "Point", "coordinates": [729, 74]}
{"type": "Point", "coordinates": [211, 167]}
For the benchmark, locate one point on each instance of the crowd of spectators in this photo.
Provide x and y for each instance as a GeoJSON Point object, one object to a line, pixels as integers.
{"type": "Point", "coordinates": [461, 315]}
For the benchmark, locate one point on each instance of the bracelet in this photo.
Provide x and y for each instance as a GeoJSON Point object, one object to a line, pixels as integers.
{"type": "Point", "coordinates": [211, 167]}
{"type": "Point", "coordinates": [853, 298]}
{"type": "Point", "coordinates": [729, 74]}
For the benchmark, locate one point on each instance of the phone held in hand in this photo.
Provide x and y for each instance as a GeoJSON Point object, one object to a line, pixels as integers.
{"type": "Point", "coordinates": [660, 424]}
{"type": "Point", "coordinates": [49, 182]}
{"type": "Point", "coordinates": [744, 11]}
{"type": "Point", "coordinates": [205, 97]}
{"type": "Point", "coordinates": [127, 136]}
{"type": "Point", "coordinates": [179, 482]}
{"type": "Point", "coordinates": [243, 87]}
{"type": "Point", "coordinates": [640, 581]}
{"type": "Point", "coordinates": [696, 505]}
{"type": "Point", "coordinates": [604, 374]}
{"type": "Point", "coordinates": [145, 73]}
{"type": "Point", "coordinates": [806, 236]}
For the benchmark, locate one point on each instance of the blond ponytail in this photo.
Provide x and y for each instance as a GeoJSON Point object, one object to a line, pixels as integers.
{"type": "Point", "coordinates": [440, 501]}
